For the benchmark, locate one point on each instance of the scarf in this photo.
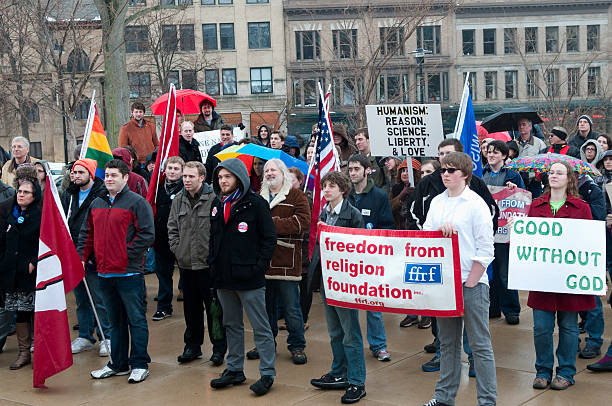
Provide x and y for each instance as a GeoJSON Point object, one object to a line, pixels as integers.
{"type": "Point", "coordinates": [227, 203]}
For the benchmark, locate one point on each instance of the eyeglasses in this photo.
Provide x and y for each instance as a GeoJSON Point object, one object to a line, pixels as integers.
{"type": "Point", "coordinates": [24, 192]}
{"type": "Point", "coordinates": [449, 170]}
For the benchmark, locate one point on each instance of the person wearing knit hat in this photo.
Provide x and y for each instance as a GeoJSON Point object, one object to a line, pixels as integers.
{"type": "Point", "coordinates": [585, 131]}
{"type": "Point", "coordinates": [558, 143]}
{"type": "Point", "coordinates": [88, 164]}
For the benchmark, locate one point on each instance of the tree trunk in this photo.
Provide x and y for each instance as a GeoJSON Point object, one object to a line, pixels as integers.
{"type": "Point", "coordinates": [70, 136]}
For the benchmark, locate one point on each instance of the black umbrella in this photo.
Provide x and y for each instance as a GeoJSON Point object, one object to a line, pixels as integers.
{"type": "Point", "coordinates": [507, 119]}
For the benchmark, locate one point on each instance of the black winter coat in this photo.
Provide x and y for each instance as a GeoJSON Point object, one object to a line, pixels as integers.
{"type": "Point", "coordinates": [19, 242]}
{"type": "Point", "coordinates": [163, 204]}
{"type": "Point", "coordinates": [189, 151]}
{"type": "Point", "coordinates": [78, 215]}
{"type": "Point", "coordinates": [241, 249]}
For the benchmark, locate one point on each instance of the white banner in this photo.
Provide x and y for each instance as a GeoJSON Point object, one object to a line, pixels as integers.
{"type": "Point", "coordinates": [410, 272]}
{"type": "Point", "coordinates": [209, 138]}
{"type": "Point", "coordinates": [413, 130]}
{"type": "Point", "coordinates": [558, 255]}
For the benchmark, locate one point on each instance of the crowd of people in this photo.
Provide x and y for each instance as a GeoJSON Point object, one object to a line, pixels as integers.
{"type": "Point", "coordinates": [239, 237]}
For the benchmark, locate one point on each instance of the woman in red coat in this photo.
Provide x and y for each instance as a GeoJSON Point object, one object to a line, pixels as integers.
{"type": "Point", "coordinates": [560, 200]}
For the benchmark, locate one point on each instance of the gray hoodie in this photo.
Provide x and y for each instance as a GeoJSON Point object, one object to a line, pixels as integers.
{"type": "Point", "coordinates": [598, 155]}
{"type": "Point", "coordinates": [237, 167]}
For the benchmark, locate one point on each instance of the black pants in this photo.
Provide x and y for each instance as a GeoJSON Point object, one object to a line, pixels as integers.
{"type": "Point", "coordinates": [502, 299]}
{"type": "Point", "coordinates": [305, 297]}
{"type": "Point", "coordinates": [197, 294]}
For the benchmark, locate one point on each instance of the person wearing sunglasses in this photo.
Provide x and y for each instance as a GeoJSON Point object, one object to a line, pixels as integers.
{"type": "Point", "coordinates": [460, 211]}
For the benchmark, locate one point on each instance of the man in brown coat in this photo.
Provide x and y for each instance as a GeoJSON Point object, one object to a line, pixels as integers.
{"type": "Point", "coordinates": [291, 215]}
{"type": "Point", "coordinates": [139, 133]}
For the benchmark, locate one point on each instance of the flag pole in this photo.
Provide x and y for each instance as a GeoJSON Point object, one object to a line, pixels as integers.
{"type": "Point", "coordinates": [89, 125]}
{"type": "Point", "coordinates": [93, 307]}
{"type": "Point", "coordinates": [461, 113]}
{"type": "Point", "coordinates": [311, 163]}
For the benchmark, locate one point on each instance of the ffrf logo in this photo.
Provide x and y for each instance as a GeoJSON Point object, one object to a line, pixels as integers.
{"type": "Point", "coordinates": [423, 273]}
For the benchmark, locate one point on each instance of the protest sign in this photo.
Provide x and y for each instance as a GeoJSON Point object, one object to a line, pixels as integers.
{"type": "Point", "coordinates": [512, 203]}
{"type": "Point", "coordinates": [209, 138]}
{"type": "Point", "coordinates": [558, 255]}
{"type": "Point", "coordinates": [392, 271]}
{"type": "Point", "coordinates": [404, 129]}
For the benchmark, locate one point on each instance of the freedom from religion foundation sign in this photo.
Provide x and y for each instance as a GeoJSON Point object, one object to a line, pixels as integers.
{"type": "Point", "coordinates": [558, 255]}
{"type": "Point", "coordinates": [413, 130]}
{"type": "Point", "coordinates": [392, 271]}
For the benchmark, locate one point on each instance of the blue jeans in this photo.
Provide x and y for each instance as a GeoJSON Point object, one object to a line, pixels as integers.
{"type": "Point", "coordinates": [123, 297]}
{"type": "Point", "coordinates": [150, 260]}
{"type": "Point", "coordinates": [594, 325]}
{"type": "Point", "coordinates": [84, 313]}
{"type": "Point", "coordinates": [164, 269]}
{"type": "Point", "coordinates": [376, 332]}
{"type": "Point", "coordinates": [346, 343]}
{"type": "Point", "coordinates": [287, 293]}
{"type": "Point", "coordinates": [543, 327]}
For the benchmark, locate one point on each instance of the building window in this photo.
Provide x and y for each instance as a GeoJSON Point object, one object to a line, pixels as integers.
{"type": "Point", "coordinates": [490, 85]}
{"type": "Point", "coordinates": [229, 81]}
{"type": "Point", "coordinates": [592, 37]}
{"type": "Point", "coordinates": [209, 36]}
{"type": "Point", "coordinates": [509, 40]}
{"type": "Point", "coordinates": [552, 39]}
{"type": "Point", "coordinates": [173, 77]}
{"type": "Point", "coordinates": [593, 79]}
{"type": "Point", "coordinates": [226, 31]}
{"type": "Point", "coordinates": [532, 83]}
{"type": "Point", "coordinates": [169, 38]}
{"type": "Point", "coordinates": [392, 88]}
{"type": "Point", "coordinates": [259, 35]}
{"type": "Point", "coordinates": [435, 88]}
{"type": "Point", "coordinates": [429, 38]}
{"type": "Point", "coordinates": [552, 82]}
{"type": "Point", "coordinates": [257, 1]}
{"type": "Point", "coordinates": [471, 84]}
{"type": "Point", "coordinates": [137, 3]}
{"type": "Point", "coordinates": [190, 79]}
{"type": "Point", "coordinates": [307, 45]}
{"type": "Point", "coordinates": [78, 61]}
{"type": "Point", "coordinates": [185, 2]}
{"type": "Point", "coordinates": [140, 85]}
{"type": "Point", "coordinates": [82, 109]}
{"type": "Point", "coordinates": [36, 149]}
{"type": "Point", "coordinates": [187, 39]}
{"type": "Point", "coordinates": [573, 81]}
{"type": "Point", "coordinates": [488, 41]}
{"type": "Point", "coordinates": [349, 92]}
{"type": "Point", "coordinates": [136, 39]}
{"type": "Point", "coordinates": [261, 80]}
{"type": "Point", "coordinates": [572, 42]}
{"type": "Point", "coordinates": [510, 77]}
{"type": "Point", "coordinates": [391, 40]}
{"type": "Point", "coordinates": [305, 92]}
{"type": "Point", "coordinates": [211, 80]}
{"type": "Point", "coordinates": [468, 37]}
{"type": "Point", "coordinates": [345, 43]}
{"type": "Point", "coordinates": [207, 2]}
{"type": "Point", "coordinates": [222, 2]}
{"type": "Point", "coordinates": [531, 40]}
{"type": "Point", "coordinates": [31, 112]}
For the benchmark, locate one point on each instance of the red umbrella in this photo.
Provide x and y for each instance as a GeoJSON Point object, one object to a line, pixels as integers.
{"type": "Point", "coordinates": [501, 135]}
{"type": "Point", "coordinates": [482, 132]}
{"type": "Point", "coordinates": [187, 101]}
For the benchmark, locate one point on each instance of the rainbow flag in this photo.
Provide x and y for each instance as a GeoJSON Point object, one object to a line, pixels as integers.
{"type": "Point", "coordinates": [95, 144]}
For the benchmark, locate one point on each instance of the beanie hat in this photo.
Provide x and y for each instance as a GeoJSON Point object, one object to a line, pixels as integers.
{"type": "Point", "coordinates": [559, 132]}
{"type": "Point", "coordinates": [587, 118]}
{"type": "Point", "coordinates": [88, 164]}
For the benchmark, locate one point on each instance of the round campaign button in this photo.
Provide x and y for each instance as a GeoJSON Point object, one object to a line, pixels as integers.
{"type": "Point", "coordinates": [172, 196]}
{"type": "Point", "coordinates": [243, 227]}
{"type": "Point", "coordinates": [369, 226]}
{"type": "Point", "coordinates": [20, 219]}
{"type": "Point", "coordinates": [214, 211]}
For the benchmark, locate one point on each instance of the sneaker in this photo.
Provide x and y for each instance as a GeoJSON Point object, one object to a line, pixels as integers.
{"type": "Point", "coordinates": [424, 323]}
{"type": "Point", "coordinates": [330, 382]}
{"type": "Point", "coordinates": [138, 375]}
{"type": "Point", "coordinates": [409, 321]}
{"type": "Point", "coordinates": [581, 325]}
{"type": "Point", "coordinates": [430, 348]}
{"type": "Point", "coordinates": [435, 402]}
{"type": "Point", "coordinates": [263, 385]}
{"type": "Point", "coordinates": [540, 383]}
{"type": "Point", "coordinates": [107, 372]}
{"type": "Point", "coordinates": [560, 383]}
{"type": "Point", "coordinates": [159, 315]}
{"type": "Point", "coordinates": [383, 356]}
{"type": "Point", "coordinates": [228, 378]}
{"type": "Point", "coordinates": [353, 394]}
{"type": "Point", "coordinates": [253, 354]}
{"type": "Point", "coordinates": [603, 365]}
{"type": "Point", "coordinates": [512, 319]}
{"type": "Point", "coordinates": [81, 344]}
{"type": "Point", "coordinates": [471, 370]}
{"type": "Point", "coordinates": [104, 349]}
{"type": "Point", "coordinates": [589, 352]}
{"type": "Point", "coordinates": [431, 366]}
{"type": "Point", "coordinates": [299, 357]}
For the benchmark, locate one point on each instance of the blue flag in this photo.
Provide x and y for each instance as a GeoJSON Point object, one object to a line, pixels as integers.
{"type": "Point", "coordinates": [465, 130]}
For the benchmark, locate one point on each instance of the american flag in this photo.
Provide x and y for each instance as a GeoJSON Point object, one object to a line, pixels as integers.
{"type": "Point", "coordinates": [324, 161]}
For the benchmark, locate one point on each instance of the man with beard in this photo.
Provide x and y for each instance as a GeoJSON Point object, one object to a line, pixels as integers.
{"type": "Point", "coordinates": [76, 200]}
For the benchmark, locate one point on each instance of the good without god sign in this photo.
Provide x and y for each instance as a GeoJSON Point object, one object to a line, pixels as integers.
{"type": "Point", "coordinates": [558, 255]}
{"type": "Point", "coordinates": [405, 129]}
{"type": "Point", "coordinates": [410, 272]}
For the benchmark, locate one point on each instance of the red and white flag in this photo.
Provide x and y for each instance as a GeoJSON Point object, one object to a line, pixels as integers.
{"type": "Point", "coordinates": [168, 146]}
{"type": "Point", "coordinates": [59, 271]}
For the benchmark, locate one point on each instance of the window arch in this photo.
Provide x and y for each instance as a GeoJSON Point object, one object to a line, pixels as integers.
{"type": "Point", "coordinates": [78, 61]}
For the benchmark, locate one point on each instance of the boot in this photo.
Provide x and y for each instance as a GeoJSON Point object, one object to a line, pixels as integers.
{"type": "Point", "coordinates": [24, 339]}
